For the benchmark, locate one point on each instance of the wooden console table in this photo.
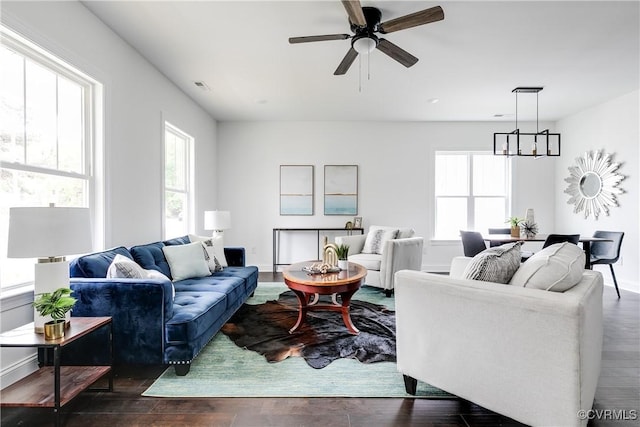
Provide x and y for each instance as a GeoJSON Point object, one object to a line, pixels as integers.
{"type": "Point", "coordinates": [54, 386]}
{"type": "Point", "coordinates": [276, 240]}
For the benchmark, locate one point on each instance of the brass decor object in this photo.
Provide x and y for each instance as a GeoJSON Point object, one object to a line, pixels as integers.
{"type": "Point", "coordinates": [593, 184]}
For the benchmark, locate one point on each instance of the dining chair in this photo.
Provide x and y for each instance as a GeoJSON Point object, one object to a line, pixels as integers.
{"type": "Point", "coordinates": [472, 243]}
{"type": "Point", "coordinates": [607, 252]}
{"type": "Point", "coordinates": [559, 238]}
{"type": "Point", "coordinates": [506, 230]}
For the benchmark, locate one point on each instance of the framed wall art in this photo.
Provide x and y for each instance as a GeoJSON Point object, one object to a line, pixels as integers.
{"type": "Point", "coordinates": [296, 189]}
{"type": "Point", "coordinates": [340, 189]}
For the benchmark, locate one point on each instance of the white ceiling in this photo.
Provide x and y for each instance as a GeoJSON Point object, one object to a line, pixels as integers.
{"type": "Point", "coordinates": [583, 53]}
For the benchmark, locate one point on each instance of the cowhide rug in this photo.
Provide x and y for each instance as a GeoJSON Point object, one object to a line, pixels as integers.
{"type": "Point", "coordinates": [323, 338]}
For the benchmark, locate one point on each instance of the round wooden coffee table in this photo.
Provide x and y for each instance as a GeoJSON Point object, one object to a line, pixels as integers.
{"type": "Point", "coordinates": [305, 285]}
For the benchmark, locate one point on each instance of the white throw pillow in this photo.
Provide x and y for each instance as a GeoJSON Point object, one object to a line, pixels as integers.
{"type": "Point", "coordinates": [497, 264]}
{"type": "Point", "coordinates": [210, 255]}
{"type": "Point", "coordinates": [218, 246]}
{"type": "Point", "coordinates": [124, 268]}
{"type": "Point", "coordinates": [377, 238]}
{"type": "Point", "coordinates": [557, 268]}
{"type": "Point", "coordinates": [186, 261]}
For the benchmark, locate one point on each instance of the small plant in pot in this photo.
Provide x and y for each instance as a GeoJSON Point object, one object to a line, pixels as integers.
{"type": "Point", "coordinates": [342, 252]}
{"type": "Point", "coordinates": [55, 304]}
{"type": "Point", "coordinates": [515, 222]}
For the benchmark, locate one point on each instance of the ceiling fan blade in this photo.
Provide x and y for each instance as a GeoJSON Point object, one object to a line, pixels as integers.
{"type": "Point", "coordinates": [426, 16]}
{"type": "Point", "coordinates": [307, 39]}
{"type": "Point", "coordinates": [400, 55]}
{"type": "Point", "coordinates": [354, 10]}
{"type": "Point", "coordinates": [346, 62]}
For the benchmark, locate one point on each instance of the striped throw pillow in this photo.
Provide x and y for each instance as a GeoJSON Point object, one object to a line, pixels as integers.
{"type": "Point", "coordinates": [497, 264]}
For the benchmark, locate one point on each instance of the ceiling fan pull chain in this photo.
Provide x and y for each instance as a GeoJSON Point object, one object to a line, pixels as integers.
{"type": "Point", "coordinates": [368, 67]}
{"type": "Point", "coordinates": [360, 73]}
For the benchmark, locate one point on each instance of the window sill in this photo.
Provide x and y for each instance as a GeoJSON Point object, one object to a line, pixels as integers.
{"type": "Point", "coordinates": [16, 297]}
{"type": "Point", "coordinates": [445, 242]}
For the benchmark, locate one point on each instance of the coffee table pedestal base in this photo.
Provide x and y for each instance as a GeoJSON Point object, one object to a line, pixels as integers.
{"type": "Point", "coordinates": [304, 306]}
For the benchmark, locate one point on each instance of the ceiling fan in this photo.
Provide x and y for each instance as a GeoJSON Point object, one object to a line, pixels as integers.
{"type": "Point", "coordinates": [365, 22]}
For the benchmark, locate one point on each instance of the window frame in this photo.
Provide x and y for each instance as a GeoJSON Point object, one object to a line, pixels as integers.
{"type": "Point", "coordinates": [91, 144]}
{"type": "Point", "coordinates": [188, 178]}
{"type": "Point", "coordinates": [469, 197]}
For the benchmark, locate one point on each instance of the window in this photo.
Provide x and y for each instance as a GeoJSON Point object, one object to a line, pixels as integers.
{"type": "Point", "coordinates": [178, 181]}
{"type": "Point", "coordinates": [471, 190]}
{"type": "Point", "coordinates": [46, 139]}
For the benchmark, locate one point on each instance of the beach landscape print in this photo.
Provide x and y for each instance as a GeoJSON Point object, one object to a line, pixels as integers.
{"type": "Point", "coordinates": [340, 189]}
{"type": "Point", "coordinates": [296, 190]}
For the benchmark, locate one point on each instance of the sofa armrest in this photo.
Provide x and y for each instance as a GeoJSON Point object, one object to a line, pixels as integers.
{"type": "Point", "coordinates": [139, 309]}
{"type": "Point", "coordinates": [483, 341]}
{"type": "Point", "coordinates": [458, 265]}
{"type": "Point", "coordinates": [400, 254]}
{"type": "Point", "coordinates": [355, 242]}
{"type": "Point", "coordinates": [235, 256]}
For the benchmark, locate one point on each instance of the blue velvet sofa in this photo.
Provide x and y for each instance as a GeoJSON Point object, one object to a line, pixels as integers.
{"type": "Point", "coordinates": [150, 326]}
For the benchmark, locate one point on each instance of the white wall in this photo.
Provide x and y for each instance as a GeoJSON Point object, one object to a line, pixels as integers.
{"type": "Point", "coordinates": [137, 100]}
{"type": "Point", "coordinates": [395, 162]}
{"type": "Point", "coordinates": [614, 127]}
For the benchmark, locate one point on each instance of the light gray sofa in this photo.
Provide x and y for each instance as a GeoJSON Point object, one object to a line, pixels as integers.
{"type": "Point", "coordinates": [402, 253]}
{"type": "Point", "coordinates": [530, 354]}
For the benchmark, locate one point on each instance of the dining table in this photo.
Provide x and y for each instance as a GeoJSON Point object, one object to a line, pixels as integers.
{"type": "Point", "coordinates": [585, 241]}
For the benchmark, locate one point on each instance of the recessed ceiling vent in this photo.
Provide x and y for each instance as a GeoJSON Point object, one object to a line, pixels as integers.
{"type": "Point", "coordinates": [202, 86]}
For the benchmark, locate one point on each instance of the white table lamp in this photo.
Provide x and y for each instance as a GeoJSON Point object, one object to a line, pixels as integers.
{"type": "Point", "coordinates": [49, 234]}
{"type": "Point", "coordinates": [218, 221]}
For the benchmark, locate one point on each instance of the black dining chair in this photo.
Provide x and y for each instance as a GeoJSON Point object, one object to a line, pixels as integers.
{"type": "Point", "coordinates": [607, 252]}
{"type": "Point", "coordinates": [559, 238]}
{"type": "Point", "coordinates": [472, 243]}
{"type": "Point", "coordinates": [505, 230]}
{"type": "Point", "coordinates": [498, 231]}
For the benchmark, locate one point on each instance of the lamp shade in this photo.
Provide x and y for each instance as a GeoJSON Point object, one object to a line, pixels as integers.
{"type": "Point", "coordinates": [43, 232]}
{"type": "Point", "coordinates": [217, 220]}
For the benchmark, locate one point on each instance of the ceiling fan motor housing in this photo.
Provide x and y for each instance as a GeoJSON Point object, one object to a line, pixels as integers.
{"type": "Point", "coordinates": [365, 40]}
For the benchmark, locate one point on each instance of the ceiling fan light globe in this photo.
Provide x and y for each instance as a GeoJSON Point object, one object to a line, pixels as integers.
{"type": "Point", "coordinates": [364, 45]}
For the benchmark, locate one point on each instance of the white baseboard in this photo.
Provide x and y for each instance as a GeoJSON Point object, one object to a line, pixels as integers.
{"type": "Point", "coordinates": [18, 370]}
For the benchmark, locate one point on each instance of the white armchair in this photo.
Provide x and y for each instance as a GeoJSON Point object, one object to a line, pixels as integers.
{"type": "Point", "coordinates": [529, 354]}
{"type": "Point", "coordinates": [402, 253]}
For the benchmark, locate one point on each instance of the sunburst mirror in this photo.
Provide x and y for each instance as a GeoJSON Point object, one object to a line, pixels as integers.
{"type": "Point", "coordinates": [593, 184]}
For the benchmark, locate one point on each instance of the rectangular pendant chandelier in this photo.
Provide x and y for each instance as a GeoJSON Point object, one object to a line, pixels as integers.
{"type": "Point", "coordinates": [526, 144]}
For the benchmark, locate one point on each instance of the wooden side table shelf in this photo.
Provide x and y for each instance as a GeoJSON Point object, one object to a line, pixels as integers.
{"type": "Point", "coordinates": [55, 386]}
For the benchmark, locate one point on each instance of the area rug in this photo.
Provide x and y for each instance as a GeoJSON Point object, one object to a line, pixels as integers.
{"type": "Point", "coordinates": [321, 339]}
{"type": "Point", "coordinates": [223, 369]}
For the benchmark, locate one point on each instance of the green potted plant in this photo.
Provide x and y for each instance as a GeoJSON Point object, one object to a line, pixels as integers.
{"type": "Point", "coordinates": [55, 304]}
{"type": "Point", "coordinates": [342, 252]}
{"type": "Point", "coordinates": [515, 222]}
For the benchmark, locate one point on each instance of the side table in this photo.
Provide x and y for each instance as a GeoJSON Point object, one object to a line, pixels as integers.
{"type": "Point", "coordinates": [55, 386]}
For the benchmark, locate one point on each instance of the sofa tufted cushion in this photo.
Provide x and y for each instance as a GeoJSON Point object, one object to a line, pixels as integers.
{"type": "Point", "coordinates": [232, 286]}
{"type": "Point", "coordinates": [368, 261]}
{"type": "Point", "coordinates": [557, 268]}
{"type": "Point", "coordinates": [95, 265]}
{"type": "Point", "coordinates": [496, 264]}
{"type": "Point", "coordinates": [186, 261]}
{"type": "Point", "coordinates": [151, 257]}
{"type": "Point", "coordinates": [193, 314]}
{"type": "Point", "coordinates": [377, 239]}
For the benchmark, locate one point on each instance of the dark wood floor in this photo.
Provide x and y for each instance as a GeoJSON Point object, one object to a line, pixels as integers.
{"type": "Point", "coordinates": [618, 389]}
